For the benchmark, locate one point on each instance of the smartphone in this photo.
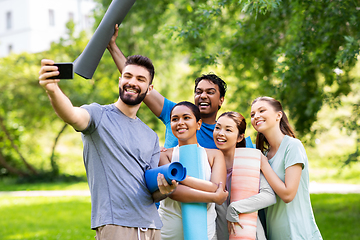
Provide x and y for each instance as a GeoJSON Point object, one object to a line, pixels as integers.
{"type": "Point", "coordinates": [66, 71]}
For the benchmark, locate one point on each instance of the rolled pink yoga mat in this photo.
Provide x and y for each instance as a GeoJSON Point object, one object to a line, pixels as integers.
{"type": "Point", "coordinates": [245, 183]}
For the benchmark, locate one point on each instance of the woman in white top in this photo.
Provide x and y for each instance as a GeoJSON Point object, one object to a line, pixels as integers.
{"type": "Point", "coordinates": [185, 121]}
{"type": "Point", "coordinates": [228, 135]}
{"type": "Point", "coordinates": [286, 171]}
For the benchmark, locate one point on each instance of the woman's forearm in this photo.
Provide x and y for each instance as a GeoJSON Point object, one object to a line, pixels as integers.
{"type": "Point", "coordinates": [266, 197]}
{"type": "Point", "coordinates": [200, 184]}
{"type": "Point", "coordinates": [187, 195]}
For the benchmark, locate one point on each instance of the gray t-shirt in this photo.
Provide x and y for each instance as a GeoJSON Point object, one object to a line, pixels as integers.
{"type": "Point", "coordinates": [117, 152]}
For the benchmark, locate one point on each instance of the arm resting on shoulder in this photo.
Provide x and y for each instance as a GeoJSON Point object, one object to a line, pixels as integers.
{"type": "Point", "coordinates": [285, 190]}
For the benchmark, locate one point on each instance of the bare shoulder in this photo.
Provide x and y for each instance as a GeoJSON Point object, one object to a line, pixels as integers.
{"type": "Point", "coordinates": [165, 157]}
{"type": "Point", "coordinates": [213, 152]}
{"type": "Point", "coordinates": [214, 155]}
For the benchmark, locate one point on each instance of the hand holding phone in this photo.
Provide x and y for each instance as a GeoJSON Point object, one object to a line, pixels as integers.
{"type": "Point", "coordinates": [65, 70]}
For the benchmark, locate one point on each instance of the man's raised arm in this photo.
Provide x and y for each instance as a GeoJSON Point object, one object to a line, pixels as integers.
{"type": "Point", "coordinates": [115, 52]}
{"type": "Point", "coordinates": [75, 116]}
{"type": "Point", "coordinates": [154, 100]}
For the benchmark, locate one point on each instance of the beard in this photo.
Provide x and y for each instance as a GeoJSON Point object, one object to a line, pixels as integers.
{"type": "Point", "coordinates": [128, 99]}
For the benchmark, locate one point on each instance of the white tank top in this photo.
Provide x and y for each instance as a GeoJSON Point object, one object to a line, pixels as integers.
{"type": "Point", "coordinates": [170, 210]}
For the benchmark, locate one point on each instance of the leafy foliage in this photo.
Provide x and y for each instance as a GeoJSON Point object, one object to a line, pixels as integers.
{"type": "Point", "coordinates": [300, 52]}
{"type": "Point", "coordinates": [285, 49]}
{"type": "Point", "coordinates": [25, 109]}
{"type": "Point", "coordinates": [289, 50]}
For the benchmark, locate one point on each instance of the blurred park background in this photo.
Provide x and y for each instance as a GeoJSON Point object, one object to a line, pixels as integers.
{"type": "Point", "coordinates": [303, 53]}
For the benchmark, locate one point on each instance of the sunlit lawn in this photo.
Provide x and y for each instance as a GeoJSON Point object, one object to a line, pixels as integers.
{"type": "Point", "coordinates": [40, 218]}
{"type": "Point", "coordinates": [45, 218]}
{"type": "Point", "coordinates": [337, 215]}
{"type": "Point", "coordinates": [11, 185]}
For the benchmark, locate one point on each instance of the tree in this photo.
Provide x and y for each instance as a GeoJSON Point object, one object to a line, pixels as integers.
{"type": "Point", "coordinates": [25, 110]}
{"type": "Point", "coordinates": [285, 49]}
{"type": "Point", "coordinates": [290, 50]}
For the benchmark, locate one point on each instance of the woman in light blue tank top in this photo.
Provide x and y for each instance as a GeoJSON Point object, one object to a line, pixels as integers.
{"type": "Point", "coordinates": [286, 170]}
{"type": "Point", "coordinates": [185, 121]}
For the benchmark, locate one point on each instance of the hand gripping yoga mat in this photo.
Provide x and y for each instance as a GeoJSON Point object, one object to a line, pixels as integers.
{"type": "Point", "coordinates": [194, 215]}
{"type": "Point", "coordinates": [172, 171]}
{"type": "Point", "coordinates": [86, 64]}
{"type": "Point", "coordinates": [245, 182]}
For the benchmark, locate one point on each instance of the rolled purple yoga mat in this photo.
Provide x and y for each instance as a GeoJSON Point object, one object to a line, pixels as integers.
{"type": "Point", "coordinates": [86, 64]}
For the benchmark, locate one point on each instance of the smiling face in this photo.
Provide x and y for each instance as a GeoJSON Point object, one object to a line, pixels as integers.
{"type": "Point", "coordinates": [207, 98]}
{"type": "Point", "coordinates": [264, 117]}
{"type": "Point", "coordinates": [134, 84]}
{"type": "Point", "coordinates": [226, 134]}
{"type": "Point", "coordinates": [184, 125]}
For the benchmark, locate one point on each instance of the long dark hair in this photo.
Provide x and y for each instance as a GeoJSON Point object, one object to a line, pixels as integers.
{"type": "Point", "coordinates": [240, 124]}
{"type": "Point", "coordinates": [261, 141]}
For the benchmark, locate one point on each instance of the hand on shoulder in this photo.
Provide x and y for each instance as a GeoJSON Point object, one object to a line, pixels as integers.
{"type": "Point", "coordinates": [165, 156]}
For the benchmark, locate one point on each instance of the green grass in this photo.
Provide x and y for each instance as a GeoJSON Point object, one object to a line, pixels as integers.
{"type": "Point", "coordinates": [11, 185]}
{"type": "Point", "coordinates": [337, 215]}
{"type": "Point", "coordinates": [50, 218]}
{"type": "Point", "coordinates": [45, 218]}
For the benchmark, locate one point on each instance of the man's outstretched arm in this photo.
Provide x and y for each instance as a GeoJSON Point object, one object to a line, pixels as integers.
{"type": "Point", "coordinates": [77, 117]}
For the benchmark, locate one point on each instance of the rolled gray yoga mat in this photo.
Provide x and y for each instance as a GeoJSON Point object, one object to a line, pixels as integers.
{"type": "Point", "coordinates": [86, 64]}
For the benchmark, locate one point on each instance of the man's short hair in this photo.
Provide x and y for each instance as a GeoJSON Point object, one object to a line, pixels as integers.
{"type": "Point", "coordinates": [214, 79]}
{"type": "Point", "coordinates": [142, 61]}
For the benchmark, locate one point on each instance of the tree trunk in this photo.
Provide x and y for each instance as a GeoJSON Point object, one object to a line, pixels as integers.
{"type": "Point", "coordinates": [11, 169]}
{"type": "Point", "coordinates": [28, 166]}
{"type": "Point", "coordinates": [54, 165]}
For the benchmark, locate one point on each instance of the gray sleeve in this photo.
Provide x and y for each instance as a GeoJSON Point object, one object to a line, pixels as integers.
{"type": "Point", "coordinates": [266, 197]}
{"type": "Point", "coordinates": [155, 158]}
{"type": "Point", "coordinates": [96, 112]}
